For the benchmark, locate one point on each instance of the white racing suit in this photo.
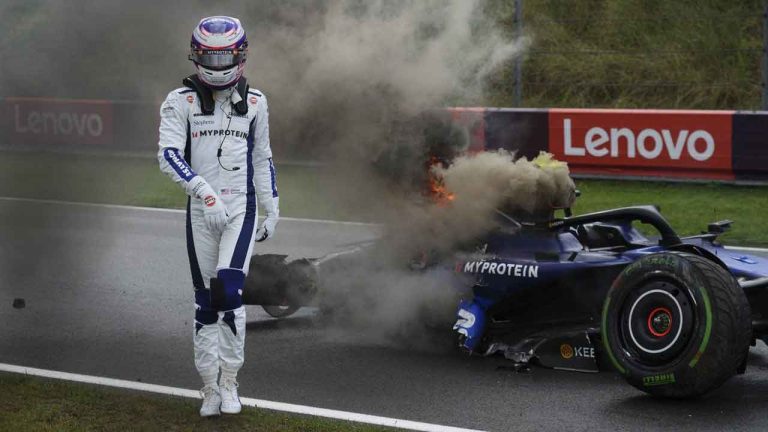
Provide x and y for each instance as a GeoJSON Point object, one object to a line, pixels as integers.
{"type": "Point", "coordinates": [189, 144]}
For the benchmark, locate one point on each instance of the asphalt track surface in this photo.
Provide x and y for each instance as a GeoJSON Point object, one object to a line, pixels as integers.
{"type": "Point", "coordinates": [108, 293]}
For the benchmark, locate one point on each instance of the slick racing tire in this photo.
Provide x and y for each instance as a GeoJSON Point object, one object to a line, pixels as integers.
{"type": "Point", "coordinates": [676, 325]}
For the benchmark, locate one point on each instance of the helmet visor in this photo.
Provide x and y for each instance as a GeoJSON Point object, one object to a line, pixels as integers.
{"type": "Point", "coordinates": [217, 59]}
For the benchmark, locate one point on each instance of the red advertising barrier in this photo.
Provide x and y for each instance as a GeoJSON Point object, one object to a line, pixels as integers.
{"type": "Point", "coordinates": [701, 145]}
{"type": "Point", "coordinates": [38, 121]}
{"type": "Point", "coordinates": [683, 144]}
{"type": "Point", "coordinates": [471, 120]}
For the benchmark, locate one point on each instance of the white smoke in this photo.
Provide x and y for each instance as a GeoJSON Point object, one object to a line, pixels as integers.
{"type": "Point", "coordinates": [383, 288]}
{"type": "Point", "coordinates": [342, 81]}
{"type": "Point", "coordinates": [344, 78]}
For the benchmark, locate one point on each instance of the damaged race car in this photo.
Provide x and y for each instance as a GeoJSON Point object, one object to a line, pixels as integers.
{"type": "Point", "coordinates": [674, 315]}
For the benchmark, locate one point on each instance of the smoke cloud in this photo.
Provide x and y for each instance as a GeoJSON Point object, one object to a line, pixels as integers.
{"type": "Point", "coordinates": [365, 66]}
{"type": "Point", "coordinates": [347, 82]}
{"type": "Point", "coordinates": [408, 278]}
{"type": "Point", "coordinates": [350, 88]}
{"type": "Point", "coordinates": [479, 187]}
{"type": "Point", "coordinates": [338, 73]}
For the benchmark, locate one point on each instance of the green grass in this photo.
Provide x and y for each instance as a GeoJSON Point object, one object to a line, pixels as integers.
{"type": "Point", "coordinates": [583, 53]}
{"type": "Point", "coordinates": [701, 54]}
{"type": "Point", "coordinates": [137, 181]}
{"type": "Point", "coordinates": [688, 207]}
{"type": "Point", "coordinates": [34, 404]}
{"type": "Point", "coordinates": [313, 192]}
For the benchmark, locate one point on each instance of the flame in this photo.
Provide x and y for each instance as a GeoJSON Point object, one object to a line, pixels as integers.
{"type": "Point", "coordinates": [437, 190]}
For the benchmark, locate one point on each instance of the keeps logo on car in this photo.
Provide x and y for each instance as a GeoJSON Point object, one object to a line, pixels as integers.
{"type": "Point", "coordinates": [568, 351]}
{"type": "Point", "coordinates": [643, 142]}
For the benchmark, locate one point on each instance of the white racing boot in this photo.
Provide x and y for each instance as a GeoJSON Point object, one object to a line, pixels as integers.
{"type": "Point", "coordinates": [230, 401]}
{"type": "Point", "coordinates": [211, 401]}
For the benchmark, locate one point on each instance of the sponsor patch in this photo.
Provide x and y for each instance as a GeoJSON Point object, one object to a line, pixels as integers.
{"type": "Point", "coordinates": [231, 191]}
{"type": "Point", "coordinates": [209, 200]}
{"type": "Point", "coordinates": [253, 100]}
{"type": "Point", "coordinates": [181, 167]}
{"type": "Point", "coordinates": [190, 99]}
{"type": "Point", "coordinates": [220, 132]}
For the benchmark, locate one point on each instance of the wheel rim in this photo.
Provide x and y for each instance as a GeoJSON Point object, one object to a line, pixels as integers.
{"type": "Point", "coordinates": [660, 322]}
{"type": "Point", "coordinates": [657, 322]}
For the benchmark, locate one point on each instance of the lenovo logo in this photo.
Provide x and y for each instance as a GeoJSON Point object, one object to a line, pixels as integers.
{"type": "Point", "coordinates": [643, 142]}
{"type": "Point", "coordinates": [647, 143]}
{"type": "Point", "coordinates": [59, 121]}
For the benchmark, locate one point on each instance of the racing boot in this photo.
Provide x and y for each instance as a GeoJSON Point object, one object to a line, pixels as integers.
{"type": "Point", "coordinates": [211, 401]}
{"type": "Point", "coordinates": [230, 401]}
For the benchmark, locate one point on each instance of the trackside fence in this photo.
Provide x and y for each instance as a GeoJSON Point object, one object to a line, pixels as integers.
{"type": "Point", "coordinates": [659, 144]}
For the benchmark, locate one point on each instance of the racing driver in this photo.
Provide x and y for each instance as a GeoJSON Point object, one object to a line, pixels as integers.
{"type": "Point", "coordinates": [214, 143]}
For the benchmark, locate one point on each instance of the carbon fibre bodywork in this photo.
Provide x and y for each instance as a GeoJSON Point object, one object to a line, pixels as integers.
{"type": "Point", "coordinates": [541, 287]}
{"type": "Point", "coordinates": [535, 291]}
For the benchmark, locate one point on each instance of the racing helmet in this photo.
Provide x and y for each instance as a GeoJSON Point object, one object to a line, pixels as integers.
{"type": "Point", "coordinates": [218, 49]}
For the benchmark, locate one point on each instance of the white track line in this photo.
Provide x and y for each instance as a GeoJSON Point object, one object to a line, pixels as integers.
{"type": "Point", "coordinates": [256, 403]}
{"type": "Point", "coordinates": [167, 210]}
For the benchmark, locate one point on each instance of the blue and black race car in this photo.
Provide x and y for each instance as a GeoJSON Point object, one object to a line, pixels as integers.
{"type": "Point", "coordinates": [674, 315]}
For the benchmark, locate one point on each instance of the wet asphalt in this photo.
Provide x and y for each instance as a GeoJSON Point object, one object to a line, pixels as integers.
{"type": "Point", "coordinates": [107, 292]}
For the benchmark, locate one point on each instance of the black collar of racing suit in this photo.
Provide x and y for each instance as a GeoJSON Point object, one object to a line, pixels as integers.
{"type": "Point", "coordinates": [205, 94]}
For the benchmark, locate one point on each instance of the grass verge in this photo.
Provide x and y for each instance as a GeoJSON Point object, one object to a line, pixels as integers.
{"type": "Point", "coordinates": [688, 207]}
{"type": "Point", "coordinates": [36, 404]}
{"type": "Point", "coordinates": [307, 192]}
{"type": "Point", "coordinates": [135, 181]}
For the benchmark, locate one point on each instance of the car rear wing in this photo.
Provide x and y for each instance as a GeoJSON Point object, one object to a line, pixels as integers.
{"type": "Point", "coordinates": [714, 230]}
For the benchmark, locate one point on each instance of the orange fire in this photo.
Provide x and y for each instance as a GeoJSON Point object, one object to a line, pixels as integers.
{"type": "Point", "coordinates": [437, 190]}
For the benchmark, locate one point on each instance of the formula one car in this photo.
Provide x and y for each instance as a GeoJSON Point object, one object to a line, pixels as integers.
{"type": "Point", "coordinates": [675, 316]}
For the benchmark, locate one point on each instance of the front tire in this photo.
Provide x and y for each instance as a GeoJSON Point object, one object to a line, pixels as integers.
{"type": "Point", "coordinates": [676, 325]}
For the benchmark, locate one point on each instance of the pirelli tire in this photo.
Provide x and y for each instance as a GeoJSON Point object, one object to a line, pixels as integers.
{"type": "Point", "coordinates": [676, 325]}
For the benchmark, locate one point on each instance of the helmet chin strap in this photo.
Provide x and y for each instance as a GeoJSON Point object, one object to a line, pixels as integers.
{"type": "Point", "coordinates": [205, 94]}
{"type": "Point", "coordinates": [235, 96]}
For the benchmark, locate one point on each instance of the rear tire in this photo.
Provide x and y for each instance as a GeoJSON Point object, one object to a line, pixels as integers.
{"type": "Point", "coordinates": [676, 325]}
